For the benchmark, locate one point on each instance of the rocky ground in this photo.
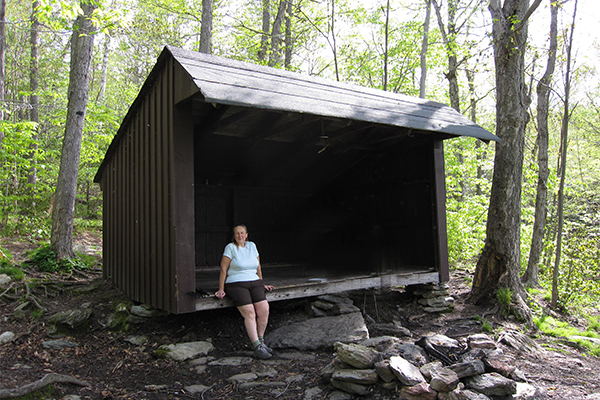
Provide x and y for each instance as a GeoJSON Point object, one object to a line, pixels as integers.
{"type": "Point", "coordinates": [110, 364]}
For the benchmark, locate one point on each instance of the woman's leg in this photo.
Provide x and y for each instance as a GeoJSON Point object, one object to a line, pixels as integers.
{"type": "Point", "coordinates": [262, 317]}
{"type": "Point", "coordinates": [249, 315]}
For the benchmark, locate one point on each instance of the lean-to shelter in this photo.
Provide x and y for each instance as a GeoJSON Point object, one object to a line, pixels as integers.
{"type": "Point", "coordinates": [341, 187]}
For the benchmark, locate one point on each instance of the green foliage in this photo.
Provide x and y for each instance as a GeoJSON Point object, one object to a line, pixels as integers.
{"type": "Point", "coordinates": [563, 329]}
{"type": "Point", "coordinates": [485, 325]}
{"type": "Point", "coordinates": [504, 298]}
{"type": "Point", "coordinates": [44, 258]}
{"type": "Point", "coordinates": [8, 268]}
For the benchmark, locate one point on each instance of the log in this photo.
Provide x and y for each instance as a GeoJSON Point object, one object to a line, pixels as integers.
{"type": "Point", "coordinates": [37, 385]}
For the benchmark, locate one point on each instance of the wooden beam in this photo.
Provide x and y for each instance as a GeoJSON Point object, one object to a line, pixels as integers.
{"type": "Point", "coordinates": [331, 287]}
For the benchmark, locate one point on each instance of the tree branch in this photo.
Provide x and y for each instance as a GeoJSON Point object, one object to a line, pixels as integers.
{"type": "Point", "coordinates": [45, 381]}
{"type": "Point", "coordinates": [528, 13]}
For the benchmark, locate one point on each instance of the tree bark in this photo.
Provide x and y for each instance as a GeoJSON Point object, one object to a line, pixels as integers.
{"type": "Point", "coordinates": [530, 278]}
{"type": "Point", "coordinates": [564, 131]}
{"type": "Point", "coordinates": [105, 55]}
{"type": "Point", "coordinates": [276, 35]}
{"type": "Point", "coordinates": [424, 45]}
{"type": "Point", "coordinates": [82, 43]}
{"type": "Point", "coordinates": [385, 50]}
{"type": "Point", "coordinates": [449, 38]}
{"type": "Point", "coordinates": [289, 40]}
{"type": "Point", "coordinates": [2, 61]}
{"type": "Point", "coordinates": [499, 264]}
{"type": "Point", "coordinates": [266, 28]}
{"type": "Point", "coordinates": [206, 29]}
{"type": "Point", "coordinates": [33, 98]}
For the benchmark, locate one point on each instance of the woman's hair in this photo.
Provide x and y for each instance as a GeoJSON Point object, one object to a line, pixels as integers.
{"type": "Point", "coordinates": [233, 233]}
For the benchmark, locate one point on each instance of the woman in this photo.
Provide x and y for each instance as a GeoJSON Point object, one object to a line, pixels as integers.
{"type": "Point", "coordinates": [241, 279]}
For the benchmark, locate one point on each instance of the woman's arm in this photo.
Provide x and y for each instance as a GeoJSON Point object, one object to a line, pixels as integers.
{"type": "Point", "coordinates": [259, 273]}
{"type": "Point", "coordinates": [225, 262]}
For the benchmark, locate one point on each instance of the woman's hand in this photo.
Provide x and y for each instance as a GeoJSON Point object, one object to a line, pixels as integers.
{"type": "Point", "coordinates": [268, 288]}
{"type": "Point", "coordinates": [220, 294]}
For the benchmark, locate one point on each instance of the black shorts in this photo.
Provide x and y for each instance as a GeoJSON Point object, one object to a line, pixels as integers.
{"type": "Point", "coordinates": [243, 293]}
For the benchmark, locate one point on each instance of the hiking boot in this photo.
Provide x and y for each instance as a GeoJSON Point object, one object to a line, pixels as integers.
{"type": "Point", "coordinates": [261, 352]}
{"type": "Point", "coordinates": [267, 348]}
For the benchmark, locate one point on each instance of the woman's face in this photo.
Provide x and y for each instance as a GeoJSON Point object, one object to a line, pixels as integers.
{"type": "Point", "coordinates": [240, 235]}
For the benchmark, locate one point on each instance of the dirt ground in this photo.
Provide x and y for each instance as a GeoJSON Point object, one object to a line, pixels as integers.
{"type": "Point", "coordinates": [117, 369]}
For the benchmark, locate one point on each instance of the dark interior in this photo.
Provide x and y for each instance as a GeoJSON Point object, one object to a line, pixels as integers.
{"type": "Point", "coordinates": [315, 193]}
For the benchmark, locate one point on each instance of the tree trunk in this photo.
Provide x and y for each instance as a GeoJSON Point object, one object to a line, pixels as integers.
{"type": "Point", "coordinates": [276, 35]}
{"type": "Point", "coordinates": [2, 60]}
{"type": "Point", "coordinates": [385, 50]}
{"type": "Point", "coordinates": [33, 98]}
{"type": "Point", "coordinates": [333, 44]}
{"type": "Point", "coordinates": [82, 43]}
{"type": "Point", "coordinates": [266, 28]}
{"type": "Point", "coordinates": [449, 38]}
{"type": "Point", "coordinates": [424, 45]}
{"type": "Point", "coordinates": [105, 54]}
{"type": "Point", "coordinates": [530, 278]}
{"type": "Point", "coordinates": [499, 264]}
{"type": "Point", "coordinates": [289, 41]}
{"type": "Point", "coordinates": [206, 29]}
{"type": "Point", "coordinates": [563, 166]}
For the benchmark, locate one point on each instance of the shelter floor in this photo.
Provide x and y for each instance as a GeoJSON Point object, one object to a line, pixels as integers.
{"type": "Point", "coordinates": [298, 280]}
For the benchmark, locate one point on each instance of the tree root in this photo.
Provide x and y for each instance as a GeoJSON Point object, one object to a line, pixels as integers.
{"type": "Point", "coordinates": [37, 385]}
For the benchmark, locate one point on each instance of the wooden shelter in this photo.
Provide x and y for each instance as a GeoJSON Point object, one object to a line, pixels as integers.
{"type": "Point", "coordinates": [341, 187]}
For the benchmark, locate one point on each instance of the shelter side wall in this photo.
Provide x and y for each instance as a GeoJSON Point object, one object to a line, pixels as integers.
{"type": "Point", "coordinates": [439, 200]}
{"type": "Point", "coordinates": [140, 255]}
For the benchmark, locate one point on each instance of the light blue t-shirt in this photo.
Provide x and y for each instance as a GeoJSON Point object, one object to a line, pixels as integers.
{"type": "Point", "coordinates": [244, 262]}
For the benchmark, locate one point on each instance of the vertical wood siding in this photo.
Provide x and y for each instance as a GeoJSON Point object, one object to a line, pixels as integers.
{"type": "Point", "coordinates": [143, 222]}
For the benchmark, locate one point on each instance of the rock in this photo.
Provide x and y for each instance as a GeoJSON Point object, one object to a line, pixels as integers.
{"type": "Point", "coordinates": [520, 342]}
{"type": "Point", "coordinates": [441, 347]}
{"type": "Point", "coordinates": [241, 378]}
{"type": "Point", "coordinates": [320, 332]}
{"type": "Point", "coordinates": [499, 363]}
{"type": "Point", "coordinates": [329, 369]}
{"type": "Point", "coordinates": [72, 319]}
{"type": "Point", "coordinates": [4, 280]}
{"type": "Point", "coordinates": [7, 337]}
{"type": "Point", "coordinates": [186, 351]}
{"type": "Point", "coordinates": [59, 344]}
{"type": "Point", "coordinates": [361, 376]}
{"type": "Point", "coordinates": [252, 385]}
{"type": "Point", "coordinates": [444, 380]}
{"type": "Point", "coordinates": [492, 384]}
{"type": "Point", "coordinates": [428, 369]}
{"type": "Point", "coordinates": [137, 340]}
{"type": "Point", "coordinates": [421, 391]}
{"type": "Point", "coordinates": [468, 368]}
{"type": "Point", "coordinates": [314, 393]}
{"type": "Point", "coordinates": [231, 361]}
{"type": "Point", "coordinates": [196, 389]}
{"type": "Point", "coordinates": [390, 329]}
{"type": "Point", "coordinates": [407, 373]}
{"type": "Point", "coordinates": [350, 387]}
{"type": "Point", "coordinates": [481, 341]}
{"type": "Point", "coordinates": [462, 395]}
{"type": "Point", "coordinates": [384, 371]}
{"type": "Point", "coordinates": [356, 355]}
{"type": "Point", "coordinates": [340, 395]}
{"type": "Point", "coordinates": [145, 311]}
{"type": "Point", "coordinates": [414, 354]}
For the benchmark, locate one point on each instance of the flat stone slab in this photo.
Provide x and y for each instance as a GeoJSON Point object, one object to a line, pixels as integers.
{"type": "Point", "coordinates": [320, 332]}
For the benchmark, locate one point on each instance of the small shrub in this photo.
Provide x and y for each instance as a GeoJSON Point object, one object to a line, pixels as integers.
{"type": "Point", "coordinates": [13, 271]}
{"type": "Point", "coordinates": [45, 259]}
{"type": "Point", "coordinates": [504, 298]}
